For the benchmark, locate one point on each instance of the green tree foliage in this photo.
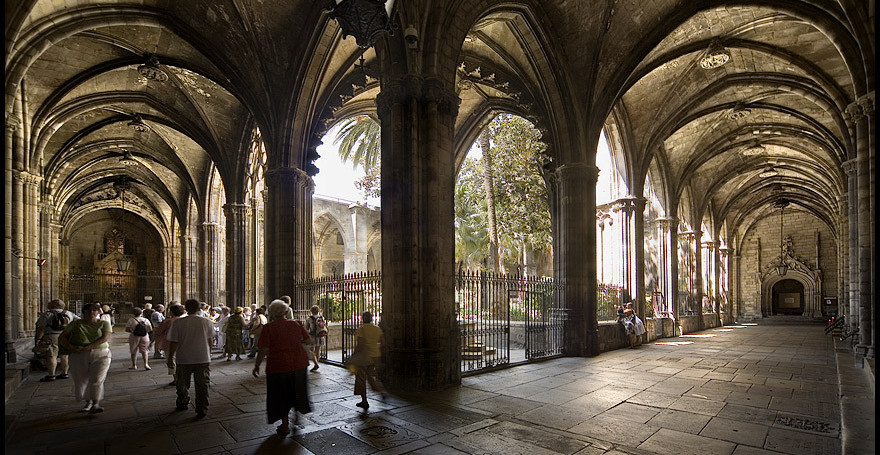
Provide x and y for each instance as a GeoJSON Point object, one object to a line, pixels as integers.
{"type": "Point", "coordinates": [359, 141]}
{"type": "Point", "coordinates": [523, 216]}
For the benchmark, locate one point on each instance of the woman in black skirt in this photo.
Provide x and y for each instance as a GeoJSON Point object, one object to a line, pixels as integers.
{"type": "Point", "coordinates": [286, 361]}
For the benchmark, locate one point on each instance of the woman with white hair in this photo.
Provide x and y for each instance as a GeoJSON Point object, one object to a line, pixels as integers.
{"type": "Point", "coordinates": [281, 344]}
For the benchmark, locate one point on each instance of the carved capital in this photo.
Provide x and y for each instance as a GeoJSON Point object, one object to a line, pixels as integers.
{"type": "Point", "coordinates": [853, 112]}
{"type": "Point", "coordinates": [571, 171]}
{"type": "Point", "coordinates": [236, 210]}
{"type": "Point", "coordinates": [285, 176]}
{"type": "Point", "coordinates": [867, 104]}
{"type": "Point", "coordinates": [210, 226]}
{"type": "Point", "coordinates": [409, 87]}
{"type": "Point", "coordinates": [850, 167]}
{"type": "Point", "coordinates": [12, 123]}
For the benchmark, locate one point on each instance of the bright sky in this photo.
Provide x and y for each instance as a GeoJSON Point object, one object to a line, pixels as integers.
{"type": "Point", "coordinates": [336, 179]}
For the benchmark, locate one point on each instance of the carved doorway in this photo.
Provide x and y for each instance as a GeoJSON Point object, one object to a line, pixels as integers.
{"type": "Point", "coordinates": [788, 298]}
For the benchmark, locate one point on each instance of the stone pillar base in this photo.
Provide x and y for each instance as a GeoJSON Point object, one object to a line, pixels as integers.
{"type": "Point", "coordinates": [863, 352]}
{"type": "Point", "coordinates": [11, 356]}
{"type": "Point", "coordinates": [421, 369]}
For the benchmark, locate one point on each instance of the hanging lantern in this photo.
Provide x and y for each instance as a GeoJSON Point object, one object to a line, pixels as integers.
{"type": "Point", "coordinates": [363, 19]}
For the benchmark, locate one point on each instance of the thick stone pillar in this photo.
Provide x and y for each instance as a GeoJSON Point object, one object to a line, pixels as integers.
{"type": "Point", "coordinates": [418, 179]}
{"type": "Point", "coordinates": [672, 265]}
{"type": "Point", "coordinates": [188, 282]}
{"type": "Point", "coordinates": [638, 257]}
{"type": "Point", "coordinates": [288, 230]}
{"type": "Point", "coordinates": [213, 279]}
{"type": "Point", "coordinates": [577, 248]}
{"type": "Point", "coordinates": [236, 251]}
{"type": "Point", "coordinates": [865, 347]}
{"type": "Point", "coordinates": [257, 278]}
{"type": "Point", "coordinates": [692, 248]}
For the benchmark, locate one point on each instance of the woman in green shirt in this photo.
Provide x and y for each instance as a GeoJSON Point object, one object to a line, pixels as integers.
{"type": "Point", "coordinates": [86, 341]}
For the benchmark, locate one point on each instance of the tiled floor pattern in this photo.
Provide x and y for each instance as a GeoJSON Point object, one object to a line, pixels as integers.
{"type": "Point", "coordinates": [742, 390]}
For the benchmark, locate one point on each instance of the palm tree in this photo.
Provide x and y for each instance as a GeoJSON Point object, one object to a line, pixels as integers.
{"type": "Point", "coordinates": [359, 141]}
{"type": "Point", "coordinates": [489, 188]}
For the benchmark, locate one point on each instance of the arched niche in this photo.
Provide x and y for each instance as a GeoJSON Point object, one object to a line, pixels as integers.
{"type": "Point", "coordinates": [812, 292]}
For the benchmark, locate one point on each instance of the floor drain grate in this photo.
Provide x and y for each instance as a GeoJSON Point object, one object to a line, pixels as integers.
{"type": "Point", "coordinates": [805, 424]}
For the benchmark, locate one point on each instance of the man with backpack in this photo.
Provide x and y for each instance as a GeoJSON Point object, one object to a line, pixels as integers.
{"type": "Point", "coordinates": [316, 325]}
{"type": "Point", "coordinates": [49, 325]}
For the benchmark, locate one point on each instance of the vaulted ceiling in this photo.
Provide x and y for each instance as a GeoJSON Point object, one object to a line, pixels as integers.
{"type": "Point", "coordinates": [78, 79]}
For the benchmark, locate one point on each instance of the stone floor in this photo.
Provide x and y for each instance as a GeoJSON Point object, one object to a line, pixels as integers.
{"type": "Point", "coordinates": [742, 390]}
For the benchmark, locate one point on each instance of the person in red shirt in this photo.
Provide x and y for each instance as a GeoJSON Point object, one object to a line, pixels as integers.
{"type": "Point", "coordinates": [281, 344]}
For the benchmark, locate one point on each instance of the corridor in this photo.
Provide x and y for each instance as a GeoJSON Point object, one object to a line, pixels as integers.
{"type": "Point", "coordinates": [747, 389]}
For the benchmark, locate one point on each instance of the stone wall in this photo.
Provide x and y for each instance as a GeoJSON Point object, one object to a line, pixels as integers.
{"type": "Point", "coordinates": [803, 228]}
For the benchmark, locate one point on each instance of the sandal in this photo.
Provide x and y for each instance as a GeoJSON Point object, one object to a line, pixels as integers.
{"type": "Point", "coordinates": [282, 429]}
{"type": "Point", "coordinates": [62, 376]}
{"type": "Point", "coordinates": [47, 379]}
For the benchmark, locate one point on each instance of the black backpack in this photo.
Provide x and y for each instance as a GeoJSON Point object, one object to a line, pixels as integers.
{"type": "Point", "coordinates": [140, 329]}
{"type": "Point", "coordinates": [58, 321]}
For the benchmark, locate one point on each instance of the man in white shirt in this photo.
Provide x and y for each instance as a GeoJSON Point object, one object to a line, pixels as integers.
{"type": "Point", "coordinates": [189, 343]}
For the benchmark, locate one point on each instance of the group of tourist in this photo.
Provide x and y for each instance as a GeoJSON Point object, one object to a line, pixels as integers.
{"type": "Point", "coordinates": [185, 337]}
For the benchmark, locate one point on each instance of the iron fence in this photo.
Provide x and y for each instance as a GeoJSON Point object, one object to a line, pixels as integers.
{"type": "Point", "coordinates": [122, 290]}
{"type": "Point", "coordinates": [342, 299]}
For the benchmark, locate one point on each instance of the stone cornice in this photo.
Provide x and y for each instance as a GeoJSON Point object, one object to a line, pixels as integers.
{"type": "Point", "coordinates": [850, 167]}
{"type": "Point", "coordinates": [867, 104]}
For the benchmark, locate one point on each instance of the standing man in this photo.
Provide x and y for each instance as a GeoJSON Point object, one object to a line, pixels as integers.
{"type": "Point", "coordinates": [49, 325]}
{"type": "Point", "coordinates": [189, 340]}
{"type": "Point", "coordinates": [155, 319]}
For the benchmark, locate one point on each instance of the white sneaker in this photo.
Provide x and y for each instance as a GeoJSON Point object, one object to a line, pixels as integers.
{"type": "Point", "coordinates": [87, 407]}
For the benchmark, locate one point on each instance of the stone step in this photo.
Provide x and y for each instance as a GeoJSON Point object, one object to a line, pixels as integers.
{"type": "Point", "coordinates": [15, 375]}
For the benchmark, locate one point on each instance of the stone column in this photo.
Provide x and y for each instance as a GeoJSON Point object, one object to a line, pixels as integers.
{"type": "Point", "coordinates": [736, 285]}
{"type": "Point", "coordinates": [56, 270]}
{"type": "Point", "coordinates": [624, 208]}
{"type": "Point", "coordinates": [10, 295]}
{"type": "Point", "coordinates": [638, 257]}
{"type": "Point", "coordinates": [356, 254]}
{"type": "Point", "coordinates": [722, 283]}
{"type": "Point", "coordinates": [213, 280]}
{"type": "Point", "coordinates": [172, 275]}
{"type": "Point", "coordinates": [258, 254]}
{"type": "Point", "coordinates": [577, 243]}
{"type": "Point", "coordinates": [236, 251]}
{"type": "Point", "coordinates": [692, 250]}
{"type": "Point", "coordinates": [44, 252]}
{"type": "Point", "coordinates": [30, 253]}
{"type": "Point", "coordinates": [418, 178]}
{"type": "Point", "coordinates": [288, 228]}
{"type": "Point", "coordinates": [187, 271]}
{"type": "Point", "coordinates": [668, 263]}
{"type": "Point", "coordinates": [707, 264]}
{"type": "Point", "coordinates": [865, 347]}
{"type": "Point", "coordinates": [843, 258]}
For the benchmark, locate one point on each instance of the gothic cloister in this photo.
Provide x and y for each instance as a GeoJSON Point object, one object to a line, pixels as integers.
{"type": "Point", "coordinates": [180, 138]}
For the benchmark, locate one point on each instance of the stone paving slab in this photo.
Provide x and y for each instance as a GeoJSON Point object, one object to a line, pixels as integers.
{"type": "Point", "coordinates": [743, 391]}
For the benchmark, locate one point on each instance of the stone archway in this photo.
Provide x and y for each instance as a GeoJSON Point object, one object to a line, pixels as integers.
{"type": "Point", "coordinates": [811, 294]}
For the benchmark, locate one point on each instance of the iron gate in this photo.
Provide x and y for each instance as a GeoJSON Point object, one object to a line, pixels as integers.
{"type": "Point", "coordinates": [342, 299]}
{"type": "Point", "coordinates": [507, 319]}
{"type": "Point", "coordinates": [118, 289]}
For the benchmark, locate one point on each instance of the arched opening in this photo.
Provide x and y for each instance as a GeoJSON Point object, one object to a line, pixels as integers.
{"type": "Point", "coordinates": [788, 298]}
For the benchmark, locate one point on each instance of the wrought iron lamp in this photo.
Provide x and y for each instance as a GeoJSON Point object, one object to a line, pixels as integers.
{"type": "Point", "coordinates": [122, 262]}
{"type": "Point", "coordinates": [781, 266]}
{"type": "Point", "coordinates": [363, 19]}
